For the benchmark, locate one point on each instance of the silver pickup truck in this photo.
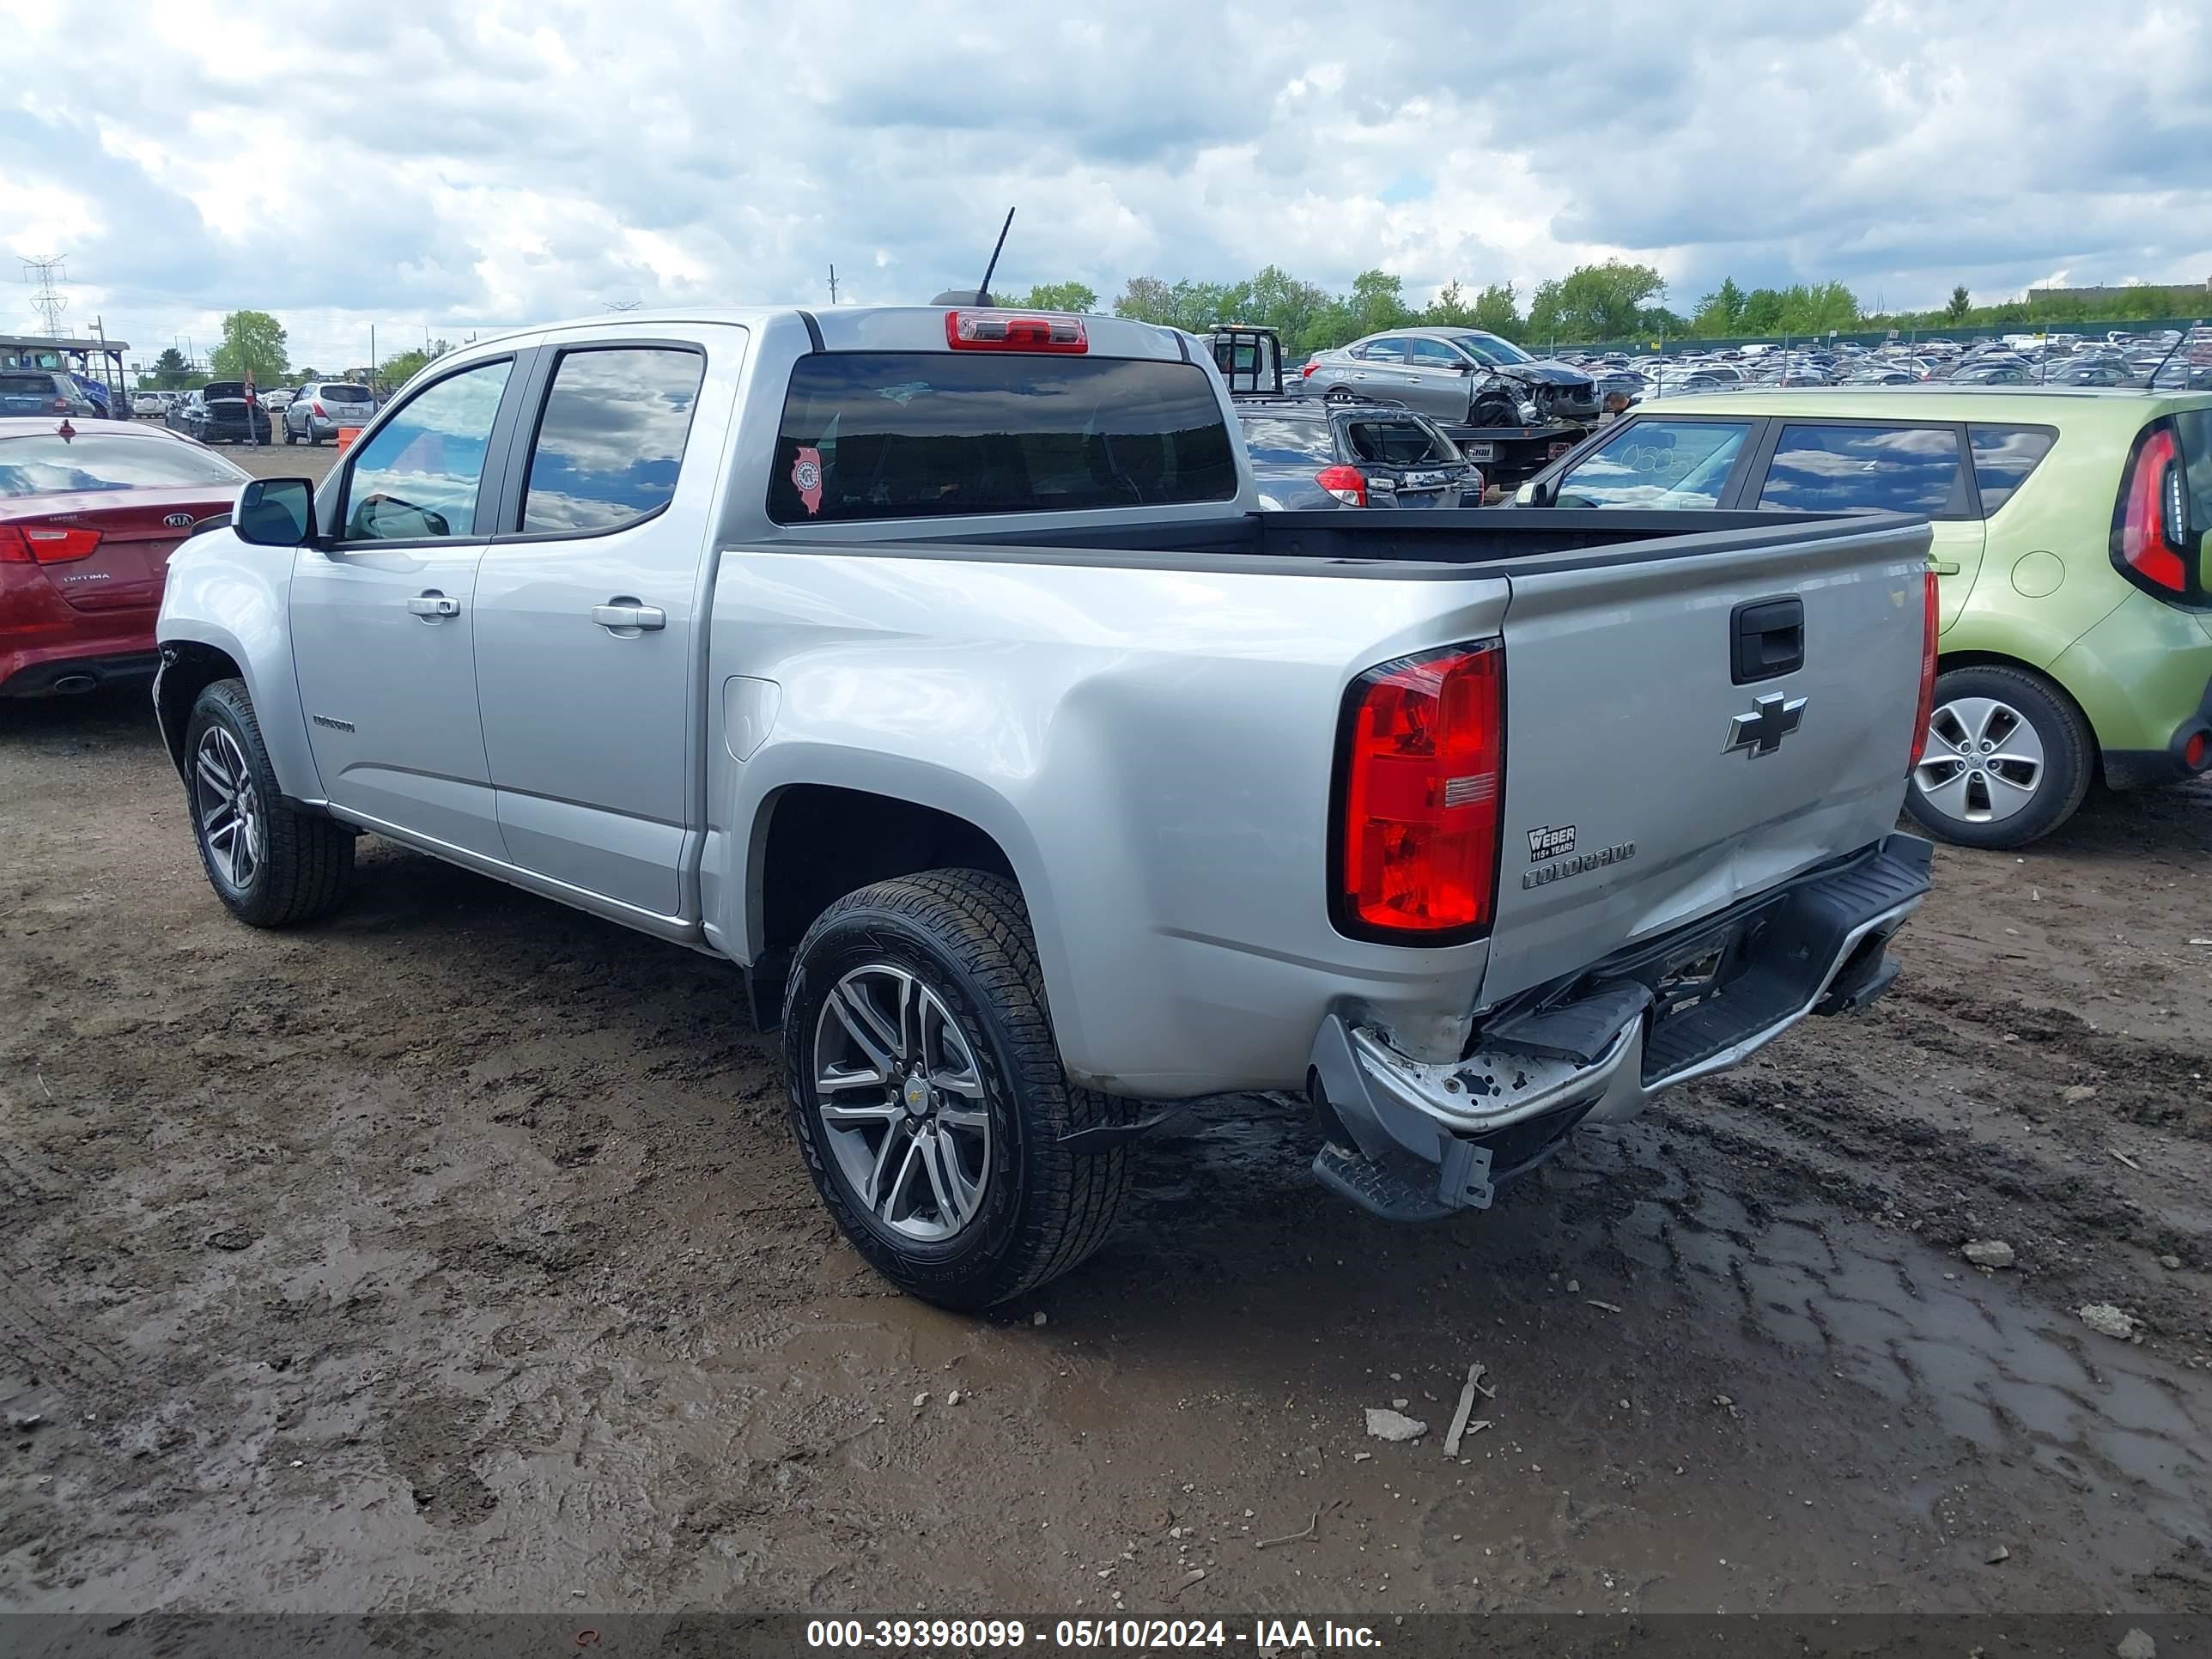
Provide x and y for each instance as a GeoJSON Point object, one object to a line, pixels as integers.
{"type": "Point", "coordinates": [935, 668]}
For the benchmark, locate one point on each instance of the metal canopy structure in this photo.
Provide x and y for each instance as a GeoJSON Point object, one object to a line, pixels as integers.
{"type": "Point", "coordinates": [99, 360]}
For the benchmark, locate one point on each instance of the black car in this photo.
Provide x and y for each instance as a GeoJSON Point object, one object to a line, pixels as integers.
{"type": "Point", "coordinates": [1307, 454]}
{"type": "Point", "coordinates": [221, 412]}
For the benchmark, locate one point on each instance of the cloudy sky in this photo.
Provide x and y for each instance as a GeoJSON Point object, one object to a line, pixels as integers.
{"type": "Point", "coordinates": [468, 164]}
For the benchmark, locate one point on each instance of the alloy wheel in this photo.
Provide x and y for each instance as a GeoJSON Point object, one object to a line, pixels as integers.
{"type": "Point", "coordinates": [1983, 761]}
{"type": "Point", "coordinates": [900, 1098]}
{"type": "Point", "coordinates": [229, 808]}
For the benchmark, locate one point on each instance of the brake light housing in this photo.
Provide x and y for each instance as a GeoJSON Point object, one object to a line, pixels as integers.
{"type": "Point", "coordinates": [2152, 537]}
{"type": "Point", "coordinates": [1009, 330]}
{"type": "Point", "coordinates": [46, 544]}
{"type": "Point", "coordinates": [1929, 594]}
{"type": "Point", "coordinates": [1347, 483]}
{"type": "Point", "coordinates": [1418, 797]}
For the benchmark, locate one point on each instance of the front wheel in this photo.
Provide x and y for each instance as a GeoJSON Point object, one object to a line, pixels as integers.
{"type": "Point", "coordinates": [272, 865]}
{"type": "Point", "coordinates": [927, 1095]}
{"type": "Point", "coordinates": [2008, 759]}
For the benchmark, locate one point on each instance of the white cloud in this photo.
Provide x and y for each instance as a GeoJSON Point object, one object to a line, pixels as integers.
{"type": "Point", "coordinates": [415, 164]}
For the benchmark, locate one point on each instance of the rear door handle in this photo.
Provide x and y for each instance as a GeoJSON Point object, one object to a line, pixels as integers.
{"type": "Point", "coordinates": [628, 613]}
{"type": "Point", "coordinates": [434, 604]}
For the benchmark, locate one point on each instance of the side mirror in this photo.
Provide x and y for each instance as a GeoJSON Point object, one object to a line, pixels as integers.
{"type": "Point", "coordinates": [275, 512]}
{"type": "Point", "coordinates": [1526, 495]}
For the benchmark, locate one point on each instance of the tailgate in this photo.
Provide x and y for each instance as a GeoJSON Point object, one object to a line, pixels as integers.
{"type": "Point", "coordinates": [1691, 722]}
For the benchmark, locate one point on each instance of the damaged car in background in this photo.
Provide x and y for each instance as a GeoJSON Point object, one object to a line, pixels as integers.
{"type": "Point", "coordinates": [1462, 376]}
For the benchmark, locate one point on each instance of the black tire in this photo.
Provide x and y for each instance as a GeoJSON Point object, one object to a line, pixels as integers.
{"type": "Point", "coordinates": [305, 862]}
{"type": "Point", "coordinates": [965, 936]}
{"type": "Point", "coordinates": [288, 439]}
{"type": "Point", "coordinates": [2059, 731]}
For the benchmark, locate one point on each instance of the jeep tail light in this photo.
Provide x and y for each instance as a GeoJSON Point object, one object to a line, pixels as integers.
{"type": "Point", "coordinates": [1926, 711]}
{"type": "Point", "coordinates": [1422, 768]}
{"type": "Point", "coordinates": [1006, 330]}
{"type": "Point", "coordinates": [2148, 538]}
{"type": "Point", "coordinates": [1347, 483]}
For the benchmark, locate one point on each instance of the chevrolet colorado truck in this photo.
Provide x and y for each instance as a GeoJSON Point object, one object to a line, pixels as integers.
{"type": "Point", "coordinates": [936, 668]}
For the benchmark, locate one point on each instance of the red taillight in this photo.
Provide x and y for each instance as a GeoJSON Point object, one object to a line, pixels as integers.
{"type": "Point", "coordinates": [1003, 330]}
{"type": "Point", "coordinates": [1307, 372]}
{"type": "Point", "coordinates": [1347, 483]}
{"type": "Point", "coordinates": [2151, 516]}
{"type": "Point", "coordinates": [42, 544]}
{"type": "Point", "coordinates": [2196, 752]}
{"type": "Point", "coordinates": [318, 412]}
{"type": "Point", "coordinates": [1423, 763]}
{"type": "Point", "coordinates": [1926, 711]}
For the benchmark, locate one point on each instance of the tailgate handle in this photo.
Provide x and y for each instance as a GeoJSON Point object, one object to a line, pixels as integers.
{"type": "Point", "coordinates": [1767, 640]}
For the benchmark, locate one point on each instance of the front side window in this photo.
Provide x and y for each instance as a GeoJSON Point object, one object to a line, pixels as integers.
{"type": "Point", "coordinates": [416, 478]}
{"type": "Point", "coordinates": [2003, 457]}
{"type": "Point", "coordinates": [1864, 469]}
{"type": "Point", "coordinates": [47, 463]}
{"type": "Point", "coordinates": [611, 439]}
{"type": "Point", "coordinates": [880, 434]}
{"type": "Point", "coordinates": [1490, 348]}
{"type": "Point", "coordinates": [1657, 463]}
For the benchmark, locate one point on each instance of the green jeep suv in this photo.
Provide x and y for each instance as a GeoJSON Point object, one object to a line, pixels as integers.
{"type": "Point", "coordinates": [2075, 572]}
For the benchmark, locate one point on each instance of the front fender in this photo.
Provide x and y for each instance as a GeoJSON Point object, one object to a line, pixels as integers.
{"type": "Point", "coordinates": [224, 595]}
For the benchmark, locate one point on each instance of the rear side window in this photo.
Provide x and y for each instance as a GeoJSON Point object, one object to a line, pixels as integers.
{"type": "Point", "coordinates": [45, 463]}
{"type": "Point", "coordinates": [345, 393]}
{"type": "Point", "coordinates": [1398, 443]}
{"type": "Point", "coordinates": [1288, 442]}
{"type": "Point", "coordinates": [611, 440]}
{"type": "Point", "coordinates": [1862, 469]}
{"type": "Point", "coordinates": [924, 435]}
{"type": "Point", "coordinates": [2003, 457]}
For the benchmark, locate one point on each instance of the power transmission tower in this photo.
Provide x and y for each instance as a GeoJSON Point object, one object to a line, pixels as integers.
{"type": "Point", "coordinates": [48, 302]}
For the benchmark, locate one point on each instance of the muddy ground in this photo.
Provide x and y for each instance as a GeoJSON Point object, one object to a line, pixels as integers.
{"type": "Point", "coordinates": [455, 1254]}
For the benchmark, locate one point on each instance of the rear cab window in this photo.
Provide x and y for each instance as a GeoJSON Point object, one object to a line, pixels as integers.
{"type": "Point", "coordinates": [1678, 463]}
{"type": "Point", "coordinates": [881, 435]}
{"type": "Point", "coordinates": [1818, 468]}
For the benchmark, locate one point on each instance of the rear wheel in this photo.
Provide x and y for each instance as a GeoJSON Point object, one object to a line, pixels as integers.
{"type": "Point", "coordinates": [270, 865]}
{"type": "Point", "coordinates": [2008, 759]}
{"type": "Point", "coordinates": [928, 1094]}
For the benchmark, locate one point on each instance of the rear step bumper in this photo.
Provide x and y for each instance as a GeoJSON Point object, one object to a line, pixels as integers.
{"type": "Point", "coordinates": [1411, 1141]}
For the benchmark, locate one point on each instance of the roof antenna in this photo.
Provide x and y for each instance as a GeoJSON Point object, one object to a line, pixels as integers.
{"type": "Point", "coordinates": [983, 289]}
{"type": "Point", "coordinates": [2149, 385]}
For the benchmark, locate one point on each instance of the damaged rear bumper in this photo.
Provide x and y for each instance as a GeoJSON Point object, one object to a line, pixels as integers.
{"type": "Point", "coordinates": [1413, 1140]}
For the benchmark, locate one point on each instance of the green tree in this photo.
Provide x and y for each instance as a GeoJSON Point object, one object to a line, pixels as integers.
{"type": "Point", "coordinates": [1276, 300]}
{"type": "Point", "coordinates": [1497, 309]}
{"type": "Point", "coordinates": [1451, 308]}
{"type": "Point", "coordinates": [171, 371]}
{"type": "Point", "coordinates": [252, 344]}
{"type": "Point", "coordinates": [1057, 296]}
{"type": "Point", "coordinates": [1377, 302]}
{"type": "Point", "coordinates": [1146, 300]}
{"type": "Point", "coordinates": [1720, 313]}
{"type": "Point", "coordinates": [1596, 302]}
{"type": "Point", "coordinates": [1961, 303]}
{"type": "Point", "coordinates": [397, 370]}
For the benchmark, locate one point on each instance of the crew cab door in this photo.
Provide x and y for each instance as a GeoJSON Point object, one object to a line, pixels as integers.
{"type": "Point", "coordinates": [590, 610]}
{"type": "Point", "coordinates": [383, 614]}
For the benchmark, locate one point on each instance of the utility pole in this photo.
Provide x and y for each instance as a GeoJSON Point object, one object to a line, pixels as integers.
{"type": "Point", "coordinates": [372, 356]}
{"type": "Point", "coordinates": [833, 282]}
{"type": "Point", "coordinates": [48, 301]}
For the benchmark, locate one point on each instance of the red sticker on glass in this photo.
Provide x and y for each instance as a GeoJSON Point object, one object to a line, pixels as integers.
{"type": "Point", "coordinates": [806, 477]}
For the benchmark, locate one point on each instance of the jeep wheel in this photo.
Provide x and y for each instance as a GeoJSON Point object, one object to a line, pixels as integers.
{"type": "Point", "coordinates": [927, 1095]}
{"type": "Point", "coordinates": [2008, 759]}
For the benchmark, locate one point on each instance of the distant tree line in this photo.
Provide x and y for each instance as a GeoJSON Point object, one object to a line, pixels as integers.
{"type": "Point", "coordinates": [1614, 300]}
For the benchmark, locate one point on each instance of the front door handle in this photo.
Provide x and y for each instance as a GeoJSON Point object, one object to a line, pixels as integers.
{"type": "Point", "coordinates": [434, 603]}
{"type": "Point", "coordinates": [628, 613]}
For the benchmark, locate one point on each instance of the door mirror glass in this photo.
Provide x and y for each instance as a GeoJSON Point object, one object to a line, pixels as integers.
{"type": "Point", "coordinates": [275, 512]}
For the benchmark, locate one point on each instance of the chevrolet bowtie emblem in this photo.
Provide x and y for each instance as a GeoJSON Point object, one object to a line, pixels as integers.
{"type": "Point", "coordinates": [1762, 730]}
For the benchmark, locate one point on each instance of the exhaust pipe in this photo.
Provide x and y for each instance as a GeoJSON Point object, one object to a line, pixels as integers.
{"type": "Point", "coordinates": [68, 685]}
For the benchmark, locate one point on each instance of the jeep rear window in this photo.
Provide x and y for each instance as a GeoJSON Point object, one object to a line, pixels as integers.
{"type": "Point", "coordinates": [2003, 457]}
{"type": "Point", "coordinates": [875, 434]}
{"type": "Point", "coordinates": [1400, 443]}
